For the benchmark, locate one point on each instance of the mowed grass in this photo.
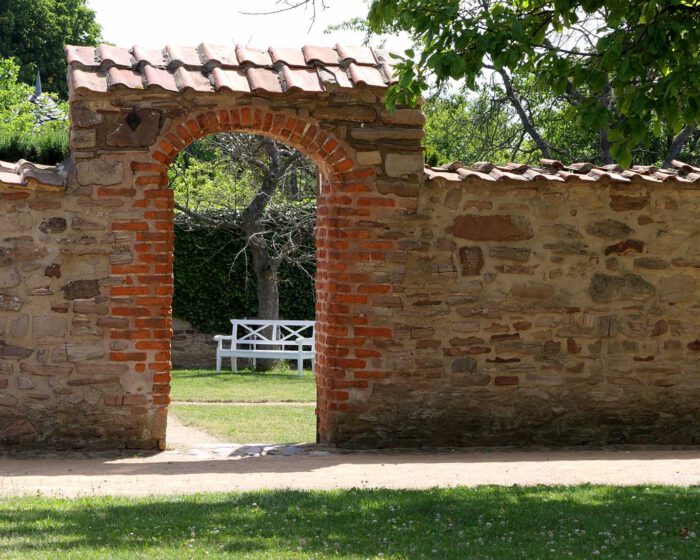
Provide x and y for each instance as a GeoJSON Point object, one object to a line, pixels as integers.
{"type": "Point", "coordinates": [250, 423]}
{"type": "Point", "coordinates": [497, 523]}
{"type": "Point", "coordinates": [281, 384]}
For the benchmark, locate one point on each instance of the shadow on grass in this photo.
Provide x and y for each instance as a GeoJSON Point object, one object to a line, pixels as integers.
{"type": "Point", "coordinates": [487, 522]}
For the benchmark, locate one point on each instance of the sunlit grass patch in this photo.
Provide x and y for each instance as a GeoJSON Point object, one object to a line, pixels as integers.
{"type": "Point", "coordinates": [486, 523]}
{"type": "Point", "coordinates": [280, 384]}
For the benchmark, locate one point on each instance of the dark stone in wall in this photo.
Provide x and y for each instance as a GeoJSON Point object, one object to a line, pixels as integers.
{"type": "Point", "coordinates": [81, 289]}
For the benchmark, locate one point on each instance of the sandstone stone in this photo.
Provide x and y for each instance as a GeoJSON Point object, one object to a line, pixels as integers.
{"type": "Point", "coordinates": [470, 379]}
{"type": "Point", "coordinates": [605, 288]}
{"type": "Point", "coordinates": [492, 228]}
{"type": "Point", "coordinates": [620, 203]}
{"type": "Point", "coordinates": [44, 370]}
{"type": "Point", "coordinates": [354, 113]}
{"type": "Point", "coordinates": [81, 289]}
{"type": "Point", "coordinates": [53, 271]}
{"type": "Point", "coordinates": [9, 352]}
{"type": "Point", "coordinates": [462, 365]}
{"type": "Point", "coordinates": [625, 247]}
{"type": "Point", "coordinates": [137, 129]}
{"type": "Point", "coordinates": [471, 260]}
{"type": "Point", "coordinates": [49, 326]}
{"type": "Point", "coordinates": [402, 165]}
{"type": "Point", "coordinates": [9, 278]}
{"type": "Point", "coordinates": [609, 229]}
{"type": "Point", "coordinates": [84, 117]}
{"type": "Point", "coordinates": [19, 326]}
{"type": "Point", "coordinates": [10, 303]}
{"type": "Point", "coordinates": [651, 262]}
{"type": "Point", "coordinates": [81, 224]}
{"type": "Point", "coordinates": [567, 231]}
{"type": "Point", "coordinates": [53, 225]}
{"type": "Point", "coordinates": [532, 290]}
{"type": "Point", "coordinates": [89, 306]}
{"type": "Point", "coordinates": [19, 431]}
{"type": "Point", "coordinates": [83, 352]}
{"type": "Point", "coordinates": [518, 254]}
{"type": "Point", "coordinates": [399, 188]}
{"type": "Point", "coordinates": [567, 248]}
{"type": "Point", "coordinates": [100, 172]}
{"type": "Point", "coordinates": [16, 221]}
{"type": "Point", "coordinates": [678, 288]}
{"type": "Point", "coordinates": [369, 158]}
{"type": "Point", "coordinates": [376, 134]}
{"type": "Point", "coordinates": [403, 117]}
{"type": "Point", "coordinates": [82, 138]}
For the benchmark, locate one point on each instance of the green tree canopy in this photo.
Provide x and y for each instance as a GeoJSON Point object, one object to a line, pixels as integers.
{"type": "Point", "coordinates": [35, 32]}
{"type": "Point", "coordinates": [620, 64]}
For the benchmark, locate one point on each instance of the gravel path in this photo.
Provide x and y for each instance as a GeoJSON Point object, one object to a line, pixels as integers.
{"type": "Point", "coordinates": [219, 467]}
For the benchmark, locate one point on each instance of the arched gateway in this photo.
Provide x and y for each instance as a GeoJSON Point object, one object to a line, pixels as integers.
{"type": "Point", "coordinates": [479, 305]}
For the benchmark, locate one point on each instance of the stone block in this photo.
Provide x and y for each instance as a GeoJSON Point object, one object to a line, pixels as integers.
{"type": "Point", "coordinates": [53, 225]}
{"type": "Point", "coordinates": [492, 228]}
{"type": "Point", "coordinates": [10, 303]}
{"type": "Point", "coordinates": [49, 326]}
{"type": "Point", "coordinates": [100, 172]}
{"type": "Point", "coordinates": [9, 278]}
{"type": "Point", "coordinates": [354, 113]}
{"type": "Point", "coordinates": [605, 288]}
{"type": "Point", "coordinates": [81, 289]}
{"type": "Point", "coordinates": [136, 129]}
{"type": "Point", "coordinates": [471, 260]}
{"type": "Point", "coordinates": [609, 229]}
{"type": "Point", "coordinates": [369, 158]}
{"type": "Point", "coordinates": [403, 165]}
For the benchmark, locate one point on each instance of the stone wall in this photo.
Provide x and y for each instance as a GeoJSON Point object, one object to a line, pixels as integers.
{"type": "Point", "coordinates": [192, 349]}
{"type": "Point", "coordinates": [539, 312]}
{"type": "Point", "coordinates": [452, 309]}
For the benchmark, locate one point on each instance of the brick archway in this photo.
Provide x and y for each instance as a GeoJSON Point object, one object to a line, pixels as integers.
{"type": "Point", "coordinates": [344, 197]}
{"type": "Point", "coordinates": [327, 103]}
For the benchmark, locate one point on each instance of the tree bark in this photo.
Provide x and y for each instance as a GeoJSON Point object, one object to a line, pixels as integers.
{"type": "Point", "coordinates": [527, 124]}
{"type": "Point", "coordinates": [677, 145]}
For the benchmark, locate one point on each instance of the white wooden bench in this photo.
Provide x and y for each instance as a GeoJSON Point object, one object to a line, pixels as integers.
{"type": "Point", "coordinates": [260, 338]}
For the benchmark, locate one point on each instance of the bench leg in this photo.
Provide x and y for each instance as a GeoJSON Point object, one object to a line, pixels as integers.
{"type": "Point", "coordinates": [300, 365]}
{"type": "Point", "coordinates": [234, 365]}
{"type": "Point", "coordinates": [313, 366]}
{"type": "Point", "coordinates": [218, 363]}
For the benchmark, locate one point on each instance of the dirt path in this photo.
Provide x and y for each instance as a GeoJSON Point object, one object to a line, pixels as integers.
{"type": "Point", "coordinates": [203, 470]}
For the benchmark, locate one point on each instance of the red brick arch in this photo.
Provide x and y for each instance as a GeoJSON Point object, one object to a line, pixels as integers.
{"type": "Point", "coordinates": [345, 199]}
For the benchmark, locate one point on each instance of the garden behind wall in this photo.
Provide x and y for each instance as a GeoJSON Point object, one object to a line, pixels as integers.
{"type": "Point", "coordinates": [475, 305]}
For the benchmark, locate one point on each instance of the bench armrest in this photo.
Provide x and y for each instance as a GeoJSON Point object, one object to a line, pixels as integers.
{"type": "Point", "coordinates": [305, 342]}
{"type": "Point", "coordinates": [222, 337]}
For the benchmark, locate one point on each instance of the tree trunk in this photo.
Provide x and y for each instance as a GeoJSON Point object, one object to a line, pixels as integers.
{"type": "Point", "coordinates": [266, 268]}
{"type": "Point", "coordinates": [677, 145]}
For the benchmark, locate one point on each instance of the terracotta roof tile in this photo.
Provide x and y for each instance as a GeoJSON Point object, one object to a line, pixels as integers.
{"type": "Point", "coordinates": [359, 55]}
{"type": "Point", "coordinates": [159, 77]}
{"type": "Point", "coordinates": [233, 79]}
{"type": "Point", "coordinates": [114, 55]}
{"type": "Point", "coordinates": [182, 56]}
{"type": "Point", "coordinates": [81, 55]}
{"type": "Point", "coordinates": [304, 79]}
{"type": "Point", "coordinates": [208, 68]}
{"type": "Point", "coordinates": [290, 57]}
{"type": "Point", "coordinates": [553, 170]}
{"type": "Point", "coordinates": [24, 173]}
{"type": "Point", "coordinates": [323, 55]}
{"type": "Point", "coordinates": [218, 55]}
{"type": "Point", "coordinates": [123, 77]}
{"type": "Point", "coordinates": [368, 75]}
{"type": "Point", "coordinates": [263, 79]}
{"type": "Point", "coordinates": [154, 57]}
{"type": "Point", "coordinates": [253, 56]}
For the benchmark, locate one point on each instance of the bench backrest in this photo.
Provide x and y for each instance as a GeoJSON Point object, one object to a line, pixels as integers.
{"type": "Point", "coordinates": [261, 332]}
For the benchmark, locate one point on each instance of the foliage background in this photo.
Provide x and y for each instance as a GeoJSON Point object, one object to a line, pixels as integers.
{"type": "Point", "coordinates": [214, 285]}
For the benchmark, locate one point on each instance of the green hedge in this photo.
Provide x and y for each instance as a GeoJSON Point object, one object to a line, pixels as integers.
{"type": "Point", "coordinates": [211, 289]}
{"type": "Point", "coordinates": [45, 145]}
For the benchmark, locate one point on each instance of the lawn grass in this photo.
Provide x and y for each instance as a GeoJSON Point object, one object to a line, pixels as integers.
{"type": "Point", "coordinates": [485, 523]}
{"type": "Point", "coordinates": [251, 424]}
{"type": "Point", "coordinates": [282, 384]}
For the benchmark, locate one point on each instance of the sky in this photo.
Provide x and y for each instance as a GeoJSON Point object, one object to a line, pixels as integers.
{"type": "Point", "coordinates": [156, 23]}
